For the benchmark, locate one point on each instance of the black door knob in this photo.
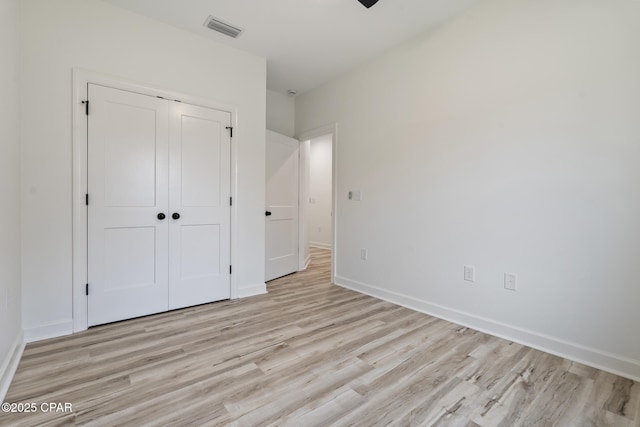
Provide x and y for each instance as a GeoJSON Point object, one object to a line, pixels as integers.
{"type": "Point", "coordinates": [267, 213]}
{"type": "Point", "coordinates": [161, 216]}
{"type": "Point", "coordinates": [176, 215]}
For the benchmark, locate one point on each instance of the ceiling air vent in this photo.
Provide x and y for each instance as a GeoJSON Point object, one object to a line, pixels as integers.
{"type": "Point", "coordinates": [222, 27]}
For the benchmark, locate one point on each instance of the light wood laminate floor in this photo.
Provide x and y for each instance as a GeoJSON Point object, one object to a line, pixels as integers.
{"type": "Point", "coordinates": [309, 354]}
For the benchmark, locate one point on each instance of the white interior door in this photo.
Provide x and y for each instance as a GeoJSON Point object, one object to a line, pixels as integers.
{"type": "Point", "coordinates": [128, 189]}
{"type": "Point", "coordinates": [159, 205]}
{"type": "Point", "coordinates": [200, 190]}
{"type": "Point", "coordinates": [282, 205]}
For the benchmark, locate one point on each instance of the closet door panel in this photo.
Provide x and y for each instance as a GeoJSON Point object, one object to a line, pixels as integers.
{"type": "Point", "coordinates": [128, 187]}
{"type": "Point", "coordinates": [200, 189]}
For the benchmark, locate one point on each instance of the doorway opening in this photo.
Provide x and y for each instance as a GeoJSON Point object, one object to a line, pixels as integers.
{"type": "Point", "coordinates": [318, 184]}
{"type": "Point", "coordinates": [320, 192]}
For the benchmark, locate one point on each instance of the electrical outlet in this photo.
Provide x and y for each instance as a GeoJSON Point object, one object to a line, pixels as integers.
{"type": "Point", "coordinates": [469, 273]}
{"type": "Point", "coordinates": [364, 254]}
{"type": "Point", "coordinates": [510, 281]}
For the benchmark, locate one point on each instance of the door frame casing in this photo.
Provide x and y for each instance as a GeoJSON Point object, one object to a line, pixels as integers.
{"type": "Point", "coordinates": [330, 129]}
{"type": "Point", "coordinates": [81, 78]}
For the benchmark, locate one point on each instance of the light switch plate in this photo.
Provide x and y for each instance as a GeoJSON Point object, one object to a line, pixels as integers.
{"type": "Point", "coordinates": [355, 195]}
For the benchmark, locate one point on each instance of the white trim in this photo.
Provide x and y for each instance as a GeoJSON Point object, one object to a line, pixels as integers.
{"type": "Point", "coordinates": [80, 80]}
{"type": "Point", "coordinates": [10, 365]}
{"type": "Point", "coordinates": [79, 211]}
{"type": "Point", "coordinates": [320, 245]}
{"type": "Point", "coordinates": [618, 365]}
{"type": "Point", "coordinates": [304, 263]}
{"type": "Point", "coordinates": [234, 196]}
{"type": "Point", "coordinates": [330, 129]}
{"type": "Point", "coordinates": [303, 200]}
{"type": "Point", "coordinates": [252, 290]}
{"type": "Point", "coordinates": [49, 330]}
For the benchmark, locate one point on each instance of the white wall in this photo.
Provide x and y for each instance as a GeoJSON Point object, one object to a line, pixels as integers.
{"type": "Point", "coordinates": [10, 310]}
{"type": "Point", "coordinates": [90, 34]}
{"type": "Point", "coordinates": [508, 139]}
{"type": "Point", "coordinates": [281, 113]}
{"type": "Point", "coordinates": [320, 232]}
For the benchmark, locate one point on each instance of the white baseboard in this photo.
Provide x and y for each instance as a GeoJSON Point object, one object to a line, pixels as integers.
{"type": "Point", "coordinates": [10, 364]}
{"type": "Point", "coordinates": [306, 263]}
{"type": "Point", "coordinates": [252, 290]}
{"type": "Point", "coordinates": [599, 359]}
{"type": "Point", "coordinates": [49, 330]}
{"type": "Point", "coordinates": [320, 245]}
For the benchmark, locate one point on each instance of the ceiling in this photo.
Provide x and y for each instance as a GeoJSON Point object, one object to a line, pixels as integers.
{"type": "Point", "coordinates": [305, 42]}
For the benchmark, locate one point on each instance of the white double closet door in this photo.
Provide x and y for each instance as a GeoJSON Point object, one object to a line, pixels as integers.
{"type": "Point", "coordinates": [159, 205]}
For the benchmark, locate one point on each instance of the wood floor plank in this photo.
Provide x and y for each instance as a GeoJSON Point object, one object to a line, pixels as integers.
{"type": "Point", "coordinates": [309, 354]}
